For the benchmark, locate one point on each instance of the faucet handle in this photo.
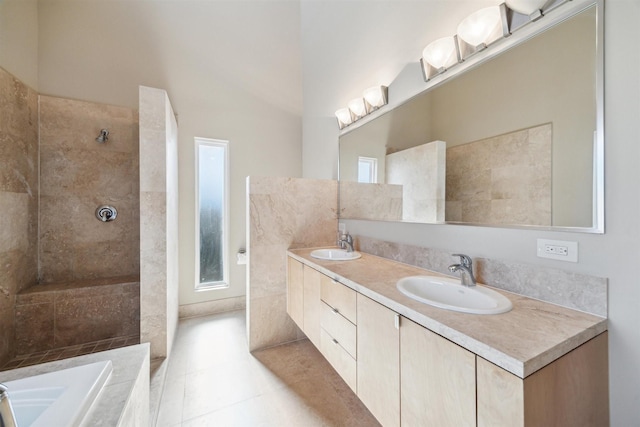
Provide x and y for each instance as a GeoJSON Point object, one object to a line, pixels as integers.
{"type": "Point", "coordinates": [465, 260]}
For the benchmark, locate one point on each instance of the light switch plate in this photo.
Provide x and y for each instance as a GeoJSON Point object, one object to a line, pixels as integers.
{"type": "Point", "coordinates": [560, 250]}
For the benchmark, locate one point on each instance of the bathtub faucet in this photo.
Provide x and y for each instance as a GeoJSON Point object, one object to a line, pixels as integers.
{"type": "Point", "coordinates": [7, 417]}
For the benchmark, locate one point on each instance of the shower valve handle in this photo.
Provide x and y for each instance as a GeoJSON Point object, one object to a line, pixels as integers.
{"type": "Point", "coordinates": [106, 213]}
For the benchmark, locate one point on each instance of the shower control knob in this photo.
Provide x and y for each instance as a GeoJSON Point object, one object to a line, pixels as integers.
{"type": "Point", "coordinates": [106, 213]}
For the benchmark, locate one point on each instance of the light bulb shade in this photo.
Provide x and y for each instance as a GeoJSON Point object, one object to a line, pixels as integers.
{"type": "Point", "coordinates": [357, 107]}
{"type": "Point", "coordinates": [441, 54]}
{"type": "Point", "coordinates": [375, 97]}
{"type": "Point", "coordinates": [482, 27]}
{"type": "Point", "coordinates": [526, 7]}
{"type": "Point", "coordinates": [344, 117]}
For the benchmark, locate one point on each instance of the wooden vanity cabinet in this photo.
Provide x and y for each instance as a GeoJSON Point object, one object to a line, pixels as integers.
{"type": "Point", "coordinates": [407, 375]}
{"type": "Point", "coordinates": [438, 379]}
{"type": "Point", "coordinates": [379, 360]}
{"type": "Point", "coordinates": [338, 329]}
{"type": "Point", "coordinates": [571, 391]}
{"type": "Point", "coordinates": [303, 298]}
{"type": "Point", "coordinates": [312, 281]}
{"type": "Point", "coordinates": [295, 291]}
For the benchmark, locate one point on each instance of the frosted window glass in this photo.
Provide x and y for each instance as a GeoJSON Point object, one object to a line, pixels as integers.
{"type": "Point", "coordinates": [211, 198]}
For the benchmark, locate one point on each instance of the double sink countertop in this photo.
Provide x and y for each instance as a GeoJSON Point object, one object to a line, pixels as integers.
{"type": "Point", "coordinates": [527, 338]}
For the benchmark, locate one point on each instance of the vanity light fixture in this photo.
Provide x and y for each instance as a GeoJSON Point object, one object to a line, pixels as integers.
{"type": "Point", "coordinates": [372, 99]}
{"type": "Point", "coordinates": [375, 97]}
{"type": "Point", "coordinates": [344, 118]}
{"type": "Point", "coordinates": [531, 8]}
{"type": "Point", "coordinates": [481, 28]}
{"type": "Point", "coordinates": [438, 56]}
{"type": "Point", "coordinates": [357, 108]}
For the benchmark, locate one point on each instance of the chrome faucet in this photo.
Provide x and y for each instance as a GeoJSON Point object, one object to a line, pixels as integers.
{"type": "Point", "coordinates": [7, 417]}
{"type": "Point", "coordinates": [346, 242]}
{"type": "Point", "coordinates": [466, 270]}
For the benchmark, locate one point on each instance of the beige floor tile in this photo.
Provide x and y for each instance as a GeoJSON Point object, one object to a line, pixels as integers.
{"type": "Point", "coordinates": [212, 380]}
{"type": "Point", "coordinates": [172, 402]}
{"type": "Point", "coordinates": [223, 385]}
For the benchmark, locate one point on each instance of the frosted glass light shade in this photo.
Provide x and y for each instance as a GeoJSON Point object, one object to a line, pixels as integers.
{"type": "Point", "coordinates": [481, 27]}
{"type": "Point", "coordinates": [441, 53]}
{"type": "Point", "coordinates": [375, 97]}
{"type": "Point", "coordinates": [357, 108]}
{"type": "Point", "coordinates": [526, 7]}
{"type": "Point", "coordinates": [344, 117]}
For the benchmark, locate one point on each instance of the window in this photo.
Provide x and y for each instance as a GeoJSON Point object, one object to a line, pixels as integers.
{"type": "Point", "coordinates": [368, 170]}
{"type": "Point", "coordinates": [211, 213]}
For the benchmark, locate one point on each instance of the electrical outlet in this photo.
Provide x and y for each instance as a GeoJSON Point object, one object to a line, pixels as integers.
{"type": "Point", "coordinates": [558, 249]}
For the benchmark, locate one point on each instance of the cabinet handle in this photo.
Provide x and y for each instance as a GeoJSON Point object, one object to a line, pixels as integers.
{"type": "Point", "coordinates": [397, 321]}
{"type": "Point", "coordinates": [335, 282]}
{"type": "Point", "coordinates": [335, 341]}
{"type": "Point", "coordinates": [335, 310]}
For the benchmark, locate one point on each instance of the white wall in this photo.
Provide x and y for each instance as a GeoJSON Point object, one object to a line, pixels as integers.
{"type": "Point", "coordinates": [354, 56]}
{"type": "Point", "coordinates": [19, 39]}
{"type": "Point", "coordinates": [231, 70]}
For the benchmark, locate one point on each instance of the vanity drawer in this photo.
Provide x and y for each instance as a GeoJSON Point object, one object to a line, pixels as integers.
{"type": "Point", "coordinates": [339, 328]}
{"type": "Point", "coordinates": [340, 297]}
{"type": "Point", "coordinates": [342, 362]}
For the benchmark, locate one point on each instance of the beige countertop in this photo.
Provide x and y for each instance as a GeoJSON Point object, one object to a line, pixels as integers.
{"type": "Point", "coordinates": [532, 335]}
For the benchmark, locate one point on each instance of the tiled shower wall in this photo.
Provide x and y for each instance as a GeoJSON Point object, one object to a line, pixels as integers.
{"type": "Point", "coordinates": [380, 202]}
{"type": "Point", "coordinates": [159, 230]}
{"type": "Point", "coordinates": [421, 172]}
{"type": "Point", "coordinates": [505, 179]}
{"type": "Point", "coordinates": [282, 213]}
{"type": "Point", "coordinates": [79, 174]}
{"type": "Point", "coordinates": [18, 198]}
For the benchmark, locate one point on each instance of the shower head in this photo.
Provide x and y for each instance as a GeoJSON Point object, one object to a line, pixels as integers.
{"type": "Point", "coordinates": [103, 137]}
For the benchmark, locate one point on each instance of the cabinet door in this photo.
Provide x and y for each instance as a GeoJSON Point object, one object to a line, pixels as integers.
{"type": "Point", "coordinates": [379, 360]}
{"type": "Point", "coordinates": [571, 391]}
{"type": "Point", "coordinates": [500, 396]}
{"type": "Point", "coordinates": [438, 379]}
{"type": "Point", "coordinates": [312, 304]}
{"type": "Point", "coordinates": [295, 295]}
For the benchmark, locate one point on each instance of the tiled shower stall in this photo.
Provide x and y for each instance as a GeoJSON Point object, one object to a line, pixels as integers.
{"type": "Point", "coordinates": [88, 269]}
{"type": "Point", "coordinates": [69, 282]}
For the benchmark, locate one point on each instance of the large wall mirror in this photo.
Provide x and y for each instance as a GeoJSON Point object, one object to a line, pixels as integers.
{"type": "Point", "coordinates": [515, 141]}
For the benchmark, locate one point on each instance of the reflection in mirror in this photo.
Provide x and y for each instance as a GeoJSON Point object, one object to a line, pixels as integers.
{"type": "Point", "coordinates": [509, 142]}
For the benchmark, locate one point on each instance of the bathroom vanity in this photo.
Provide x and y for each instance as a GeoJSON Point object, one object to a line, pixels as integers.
{"type": "Point", "coordinates": [413, 364]}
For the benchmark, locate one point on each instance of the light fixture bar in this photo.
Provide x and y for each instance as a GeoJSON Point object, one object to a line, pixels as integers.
{"type": "Point", "coordinates": [372, 99]}
{"type": "Point", "coordinates": [480, 30]}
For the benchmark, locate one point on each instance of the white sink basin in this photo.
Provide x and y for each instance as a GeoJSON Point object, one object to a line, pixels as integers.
{"type": "Point", "coordinates": [335, 254]}
{"type": "Point", "coordinates": [448, 293]}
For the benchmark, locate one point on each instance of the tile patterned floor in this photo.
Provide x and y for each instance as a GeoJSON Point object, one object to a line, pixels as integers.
{"type": "Point", "coordinates": [71, 351]}
{"type": "Point", "coordinates": [212, 380]}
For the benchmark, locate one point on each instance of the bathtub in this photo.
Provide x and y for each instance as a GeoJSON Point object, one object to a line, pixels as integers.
{"type": "Point", "coordinates": [60, 398]}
